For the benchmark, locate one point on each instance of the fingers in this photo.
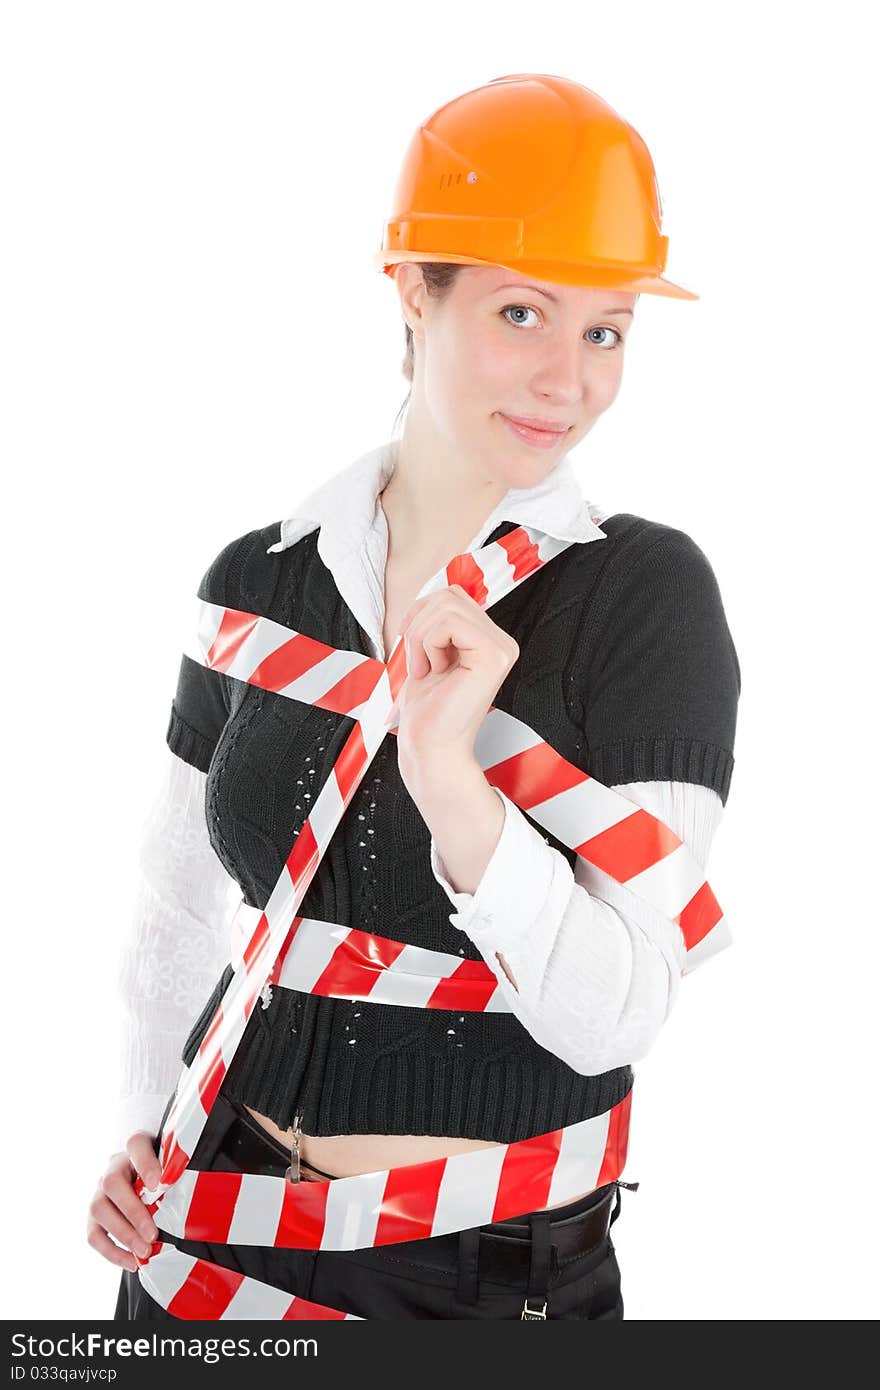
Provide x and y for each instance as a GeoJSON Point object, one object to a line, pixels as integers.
{"type": "Point", "coordinates": [115, 1187]}
{"type": "Point", "coordinates": [447, 639]}
{"type": "Point", "coordinates": [448, 623]}
{"type": "Point", "coordinates": [116, 1210]}
{"type": "Point", "coordinates": [104, 1221]}
{"type": "Point", "coordinates": [143, 1157]}
{"type": "Point", "coordinates": [439, 641]}
{"type": "Point", "coordinates": [104, 1246]}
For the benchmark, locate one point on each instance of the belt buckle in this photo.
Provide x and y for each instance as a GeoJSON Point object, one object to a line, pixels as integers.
{"type": "Point", "coordinates": [531, 1315]}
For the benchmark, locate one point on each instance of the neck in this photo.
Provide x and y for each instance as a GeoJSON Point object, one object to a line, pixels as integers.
{"type": "Point", "coordinates": [437, 499]}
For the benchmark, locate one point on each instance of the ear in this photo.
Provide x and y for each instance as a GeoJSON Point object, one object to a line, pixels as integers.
{"type": "Point", "coordinates": [411, 289]}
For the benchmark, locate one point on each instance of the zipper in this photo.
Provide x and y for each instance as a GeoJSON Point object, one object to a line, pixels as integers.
{"type": "Point", "coordinates": [293, 1171]}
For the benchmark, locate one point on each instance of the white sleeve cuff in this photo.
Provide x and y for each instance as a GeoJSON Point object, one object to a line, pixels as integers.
{"type": "Point", "coordinates": [136, 1112]}
{"type": "Point", "coordinates": [514, 889]}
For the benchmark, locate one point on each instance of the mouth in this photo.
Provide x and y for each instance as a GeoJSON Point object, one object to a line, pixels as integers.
{"type": "Point", "coordinates": [542, 433]}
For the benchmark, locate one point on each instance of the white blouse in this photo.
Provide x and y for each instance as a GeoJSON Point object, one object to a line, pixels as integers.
{"type": "Point", "coordinates": [597, 969]}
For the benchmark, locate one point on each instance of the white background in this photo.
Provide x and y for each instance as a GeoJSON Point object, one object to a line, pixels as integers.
{"type": "Point", "coordinates": [193, 336]}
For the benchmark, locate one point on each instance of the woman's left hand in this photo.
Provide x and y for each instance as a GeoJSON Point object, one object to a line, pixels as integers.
{"type": "Point", "coordinates": [456, 660]}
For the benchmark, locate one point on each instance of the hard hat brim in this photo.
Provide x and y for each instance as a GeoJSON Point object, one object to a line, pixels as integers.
{"type": "Point", "coordinates": [567, 273]}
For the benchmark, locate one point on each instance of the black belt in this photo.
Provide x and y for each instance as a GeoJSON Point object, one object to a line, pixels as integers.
{"type": "Point", "coordinates": [571, 1237]}
{"type": "Point", "coordinates": [251, 1149]}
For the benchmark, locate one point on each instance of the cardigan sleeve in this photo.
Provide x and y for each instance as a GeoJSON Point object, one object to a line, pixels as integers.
{"type": "Point", "coordinates": [240, 576]}
{"type": "Point", "coordinates": [658, 681]}
{"type": "Point", "coordinates": [200, 705]}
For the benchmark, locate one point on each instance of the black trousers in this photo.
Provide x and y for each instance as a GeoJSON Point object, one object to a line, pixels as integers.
{"type": "Point", "coordinates": [492, 1271]}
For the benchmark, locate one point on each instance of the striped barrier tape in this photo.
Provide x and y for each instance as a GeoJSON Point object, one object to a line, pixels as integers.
{"type": "Point", "coordinates": [411, 1200]}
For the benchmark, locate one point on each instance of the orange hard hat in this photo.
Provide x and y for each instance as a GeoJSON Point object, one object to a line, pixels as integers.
{"type": "Point", "coordinates": [538, 174]}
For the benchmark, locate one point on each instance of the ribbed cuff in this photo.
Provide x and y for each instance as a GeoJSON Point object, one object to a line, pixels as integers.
{"type": "Point", "coordinates": [663, 759]}
{"type": "Point", "coordinates": [188, 743]}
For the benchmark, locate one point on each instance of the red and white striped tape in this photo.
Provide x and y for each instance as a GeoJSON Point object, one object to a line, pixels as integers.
{"type": "Point", "coordinates": [501, 567]}
{"type": "Point", "coordinates": [410, 1202]}
{"type": "Point", "coordinates": [395, 1204]}
{"type": "Point", "coordinates": [345, 963]}
{"type": "Point", "coordinates": [201, 1290]}
{"type": "Point", "coordinates": [606, 829]}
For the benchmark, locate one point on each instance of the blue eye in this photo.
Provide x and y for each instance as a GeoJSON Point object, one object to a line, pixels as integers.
{"type": "Point", "coordinates": [617, 335]}
{"type": "Point", "coordinates": [527, 308]}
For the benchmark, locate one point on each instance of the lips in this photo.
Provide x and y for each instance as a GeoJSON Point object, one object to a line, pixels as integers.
{"type": "Point", "coordinates": [533, 423]}
{"type": "Point", "coordinates": [538, 438]}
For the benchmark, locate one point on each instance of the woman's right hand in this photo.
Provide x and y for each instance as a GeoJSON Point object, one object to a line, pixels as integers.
{"type": "Point", "coordinates": [116, 1209]}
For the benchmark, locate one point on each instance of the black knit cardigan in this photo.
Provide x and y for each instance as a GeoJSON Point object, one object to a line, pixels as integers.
{"type": "Point", "coordinates": [627, 668]}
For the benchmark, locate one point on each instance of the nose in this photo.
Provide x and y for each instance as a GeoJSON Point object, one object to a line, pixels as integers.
{"type": "Point", "coordinates": [562, 374]}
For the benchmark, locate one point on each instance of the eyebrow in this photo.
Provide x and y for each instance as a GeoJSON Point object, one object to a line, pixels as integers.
{"type": "Point", "coordinates": [520, 286]}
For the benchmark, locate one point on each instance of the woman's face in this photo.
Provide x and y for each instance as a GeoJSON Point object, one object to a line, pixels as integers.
{"type": "Point", "coordinates": [503, 344]}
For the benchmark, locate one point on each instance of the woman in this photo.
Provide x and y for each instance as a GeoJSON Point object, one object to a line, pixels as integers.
{"type": "Point", "coordinates": [616, 652]}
